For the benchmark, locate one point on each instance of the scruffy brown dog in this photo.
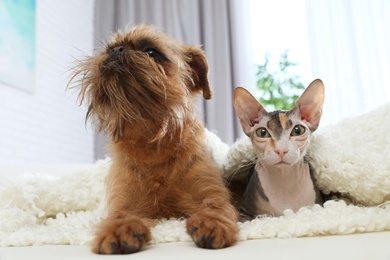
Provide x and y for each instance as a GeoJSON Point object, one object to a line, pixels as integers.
{"type": "Point", "coordinates": [141, 89]}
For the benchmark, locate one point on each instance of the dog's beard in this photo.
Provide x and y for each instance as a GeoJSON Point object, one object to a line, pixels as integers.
{"type": "Point", "coordinates": [132, 91]}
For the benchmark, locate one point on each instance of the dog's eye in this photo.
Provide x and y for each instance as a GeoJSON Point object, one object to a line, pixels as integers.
{"type": "Point", "coordinates": [155, 54]}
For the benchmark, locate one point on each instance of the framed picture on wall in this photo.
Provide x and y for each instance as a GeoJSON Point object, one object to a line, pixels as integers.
{"type": "Point", "coordinates": [17, 43]}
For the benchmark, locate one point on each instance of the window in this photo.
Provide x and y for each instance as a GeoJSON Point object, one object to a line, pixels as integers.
{"type": "Point", "coordinates": [342, 42]}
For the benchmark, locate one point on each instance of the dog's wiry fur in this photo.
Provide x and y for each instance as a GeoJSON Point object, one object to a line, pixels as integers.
{"type": "Point", "coordinates": [141, 90]}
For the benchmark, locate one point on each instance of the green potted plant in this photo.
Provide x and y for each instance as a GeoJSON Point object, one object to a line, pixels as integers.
{"type": "Point", "coordinates": [281, 88]}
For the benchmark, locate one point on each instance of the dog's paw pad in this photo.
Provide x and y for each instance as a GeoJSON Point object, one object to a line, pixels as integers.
{"type": "Point", "coordinates": [204, 242]}
{"type": "Point", "coordinates": [127, 249]}
{"type": "Point", "coordinates": [121, 237]}
{"type": "Point", "coordinates": [212, 232]}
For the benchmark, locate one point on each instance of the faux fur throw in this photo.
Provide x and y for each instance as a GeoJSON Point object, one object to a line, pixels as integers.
{"type": "Point", "coordinates": [350, 158]}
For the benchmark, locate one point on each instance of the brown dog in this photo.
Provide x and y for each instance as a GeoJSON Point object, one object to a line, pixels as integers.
{"type": "Point", "coordinates": [141, 89]}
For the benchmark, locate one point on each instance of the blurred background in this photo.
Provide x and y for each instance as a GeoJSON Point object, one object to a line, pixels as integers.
{"type": "Point", "coordinates": [272, 48]}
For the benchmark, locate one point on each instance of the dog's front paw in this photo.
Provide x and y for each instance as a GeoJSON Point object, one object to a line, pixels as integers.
{"type": "Point", "coordinates": [121, 236]}
{"type": "Point", "coordinates": [212, 229]}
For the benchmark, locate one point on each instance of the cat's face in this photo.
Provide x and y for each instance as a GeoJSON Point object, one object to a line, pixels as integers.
{"type": "Point", "coordinates": [280, 137]}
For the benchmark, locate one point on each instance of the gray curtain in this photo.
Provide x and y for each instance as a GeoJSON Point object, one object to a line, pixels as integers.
{"type": "Point", "coordinates": [220, 26]}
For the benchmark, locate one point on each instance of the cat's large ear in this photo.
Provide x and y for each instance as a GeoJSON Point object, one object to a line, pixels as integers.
{"type": "Point", "coordinates": [310, 104]}
{"type": "Point", "coordinates": [247, 108]}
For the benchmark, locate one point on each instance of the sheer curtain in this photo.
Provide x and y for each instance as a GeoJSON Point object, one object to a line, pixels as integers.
{"type": "Point", "coordinates": [221, 26]}
{"type": "Point", "coordinates": [349, 48]}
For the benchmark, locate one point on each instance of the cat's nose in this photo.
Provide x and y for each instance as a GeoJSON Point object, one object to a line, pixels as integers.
{"type": "Point", "coordinates": [281, 152]}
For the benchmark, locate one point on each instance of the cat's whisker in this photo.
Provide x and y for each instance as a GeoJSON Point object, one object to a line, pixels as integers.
{"type": "Point", "coordinates": [302, 147]}
{"type": "Point", "coordinates": [232, 173]}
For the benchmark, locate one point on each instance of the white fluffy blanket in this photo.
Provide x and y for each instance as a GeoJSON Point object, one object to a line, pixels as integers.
{"type": "Point", "coordinates": [351, 157]}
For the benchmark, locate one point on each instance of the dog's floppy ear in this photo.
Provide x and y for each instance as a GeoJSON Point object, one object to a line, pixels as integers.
{"type": "Point", "coordinates": [199, 71]}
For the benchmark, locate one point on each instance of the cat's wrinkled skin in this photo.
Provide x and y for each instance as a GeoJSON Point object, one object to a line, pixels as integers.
{"type": "Point", "coordinates": [281, 178]}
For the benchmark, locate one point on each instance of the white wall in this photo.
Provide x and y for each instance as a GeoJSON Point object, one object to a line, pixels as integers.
{"type": "Point", "coordinates": [47, 126]}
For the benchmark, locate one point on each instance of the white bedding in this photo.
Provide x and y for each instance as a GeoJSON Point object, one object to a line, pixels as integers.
{"type": "Point", "coordinates": [59, 205]}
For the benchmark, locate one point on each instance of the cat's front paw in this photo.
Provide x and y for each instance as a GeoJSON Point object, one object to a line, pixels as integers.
{"type": "Point", "coordinates": [121, 236]}
{"type": "Point", "coordinates": [212, 229]}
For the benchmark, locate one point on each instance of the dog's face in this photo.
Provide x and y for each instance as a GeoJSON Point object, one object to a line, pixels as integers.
{"type": "Point", "coordinates": [142, 83]}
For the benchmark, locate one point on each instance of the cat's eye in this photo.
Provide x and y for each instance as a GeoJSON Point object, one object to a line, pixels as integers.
{"type": "Point", "coordinates": [262, 132]}
{"type": "Point", "coordinates": [298, 130]}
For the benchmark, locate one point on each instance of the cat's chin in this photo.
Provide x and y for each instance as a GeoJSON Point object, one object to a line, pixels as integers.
{"type": "Point", "coordinates": [282, 164]}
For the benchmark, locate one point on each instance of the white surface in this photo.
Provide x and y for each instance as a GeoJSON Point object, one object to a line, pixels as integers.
{"type": "Point", "coordinates": [374, 246]}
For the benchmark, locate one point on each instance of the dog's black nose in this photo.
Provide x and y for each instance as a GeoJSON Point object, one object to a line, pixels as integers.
{"type": "Point", "coordinates": [117, 50]}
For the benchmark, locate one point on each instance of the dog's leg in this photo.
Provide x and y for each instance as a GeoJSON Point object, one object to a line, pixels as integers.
{"type": "Point", "coordinates": [214, 226]}
{"type": "Point", "coordinates": [213, 219]}
{"type": "Point", "coordinates": [121, 235]}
